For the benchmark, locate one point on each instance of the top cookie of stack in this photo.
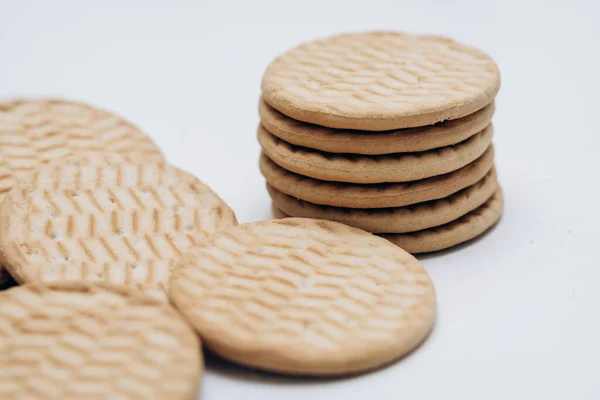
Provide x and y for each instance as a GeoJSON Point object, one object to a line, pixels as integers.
{"type": "Point", "coordinates": [385, 131]}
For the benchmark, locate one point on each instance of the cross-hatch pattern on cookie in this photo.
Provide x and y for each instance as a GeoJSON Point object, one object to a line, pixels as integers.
{"type": "Point", "coordinates": [124, 223]}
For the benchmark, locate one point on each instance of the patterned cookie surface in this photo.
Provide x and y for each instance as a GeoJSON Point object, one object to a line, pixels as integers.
{"type": "Point", "coordinates": [78, 341]}
{"type": "Point", "coordinates": [86, 218]}
{"type": "Point", "coordinates": [304, 297]}
{"type": "Point", "coordinates": [350, 168]}
{"type": "Point", "coordinates": [380, 80]}
{"type": "Point", "coordinates": [466, 228]}
{"type": "Point", "coordinates": [375, 195]}
{"type": "Point", "coordinates": [373, 143]}
{"type": "Point", "coordinates": [33, 132]}
{"type": "Point", "coordinates": [402, 219]}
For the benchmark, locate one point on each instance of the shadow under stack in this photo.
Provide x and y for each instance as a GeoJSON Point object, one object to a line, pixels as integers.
{"type": "Point", "coordinates": [386, 132]}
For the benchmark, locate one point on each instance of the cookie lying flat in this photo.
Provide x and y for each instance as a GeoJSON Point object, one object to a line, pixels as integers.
{"type": "Point", "coordinates": [304, 297]}
{"type": "Point", "coordinates": [378, 195]}
{"type": "Point", "coordinates": [394, 220]}
{"type": "Point", "coordinates": [451, 234]}
{"type": "Point", "coordinates": [34, 132]}
{"type": "Point", "coordinates": [349, 168]}
{"type": "Point", "coordinates": [86, 218]}
{"type": "Point", "coordinates": [78, 341]}
{"type": "Point", "coordinates": [373, 143]}
{"type": "Point", "coordinates": [380, 80]}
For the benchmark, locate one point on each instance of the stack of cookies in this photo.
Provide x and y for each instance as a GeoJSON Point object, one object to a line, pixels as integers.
{"type": "Point", "coordinates": [383, 131]}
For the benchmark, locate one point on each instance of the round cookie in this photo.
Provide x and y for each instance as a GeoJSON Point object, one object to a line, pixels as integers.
{"type": "Point", "coordinates": [305, 297]}
{"type": "Point", "coordinates": [466, 228]}
{"type": "Point", "coordinates": [92, 218]}
{"type": "Point", "coordinates": [394, 220]}
{"type": "Point", "coordinates": [33, 132]}
{"type": "Point", "coordinates": [399, 167]}
{"type": "Point", "coordinates": [36, 131]}
{"type": "Point", "coordinates": [379, 81]}
{"type": "Point", "coordinates": [78, 341]}
{"type": "Point", "coordinates": [373, 143]}
{"type": "Point", "coordinates": [376, 195]}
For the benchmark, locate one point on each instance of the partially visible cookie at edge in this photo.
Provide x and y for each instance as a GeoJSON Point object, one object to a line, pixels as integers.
{"type": "Point", "coordinates": [82, 340]}
{"type": "Point", "coordinates": [37, 131]}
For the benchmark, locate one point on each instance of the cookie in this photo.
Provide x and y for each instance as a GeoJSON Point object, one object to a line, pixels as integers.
{"type": "Point", "coordinates": [35, 131]}
{"type": "Point", "coordinates": [402, 219]}
{"type": "Point", "coordinates": [350, 168]}
{"type": "Point", "coordinates": [463, 229]}
{"type": "Point", "coordinates": [379, 81]}
{"type": "Point", "coordinates": [95, 220]}
{"type": "Point", "coordinates": [78, 341]}
{"type": "Point", "coordinates": [304, 297]}
{"type": "Point", "coordinates": [376, 195]}
{"type": "Point", "coordinates": [373, 143]}
{"type": "Point", "coordinates": [466, 228]}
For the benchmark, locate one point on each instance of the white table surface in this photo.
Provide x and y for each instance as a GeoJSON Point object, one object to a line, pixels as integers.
{"type": "Point", "coordinates": [518, 309]}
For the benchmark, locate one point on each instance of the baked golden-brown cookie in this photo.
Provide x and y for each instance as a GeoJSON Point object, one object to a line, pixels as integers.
{"type": "Point", "coordinates": [398, 219]}
{"type": "Point", "coordinates": [351, 195]}
{"type": "Point", "coordinates": [82, 340]}
{"type": "Point", "coordinates": [380, 80]}
{"type": "Point", "coordinates": [306, 297]}
{"type": "Point", "coordinates": [101, 218]}
{"type": "Point", "coordinates": [373, 143]}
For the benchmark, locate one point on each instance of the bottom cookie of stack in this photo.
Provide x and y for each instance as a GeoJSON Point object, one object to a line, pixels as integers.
{"type": "Point", "coordinates": [466, 227]}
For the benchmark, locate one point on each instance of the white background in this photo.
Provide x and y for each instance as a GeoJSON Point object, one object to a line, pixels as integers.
{"type": "Point", "coordinates": [518, 309]}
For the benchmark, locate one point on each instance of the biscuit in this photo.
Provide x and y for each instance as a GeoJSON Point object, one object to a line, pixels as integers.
{"type": "Point", "coordinates": [87, 218]}
{"type": "Point", "coordinates": [380, 81]}
{"type": "Point", "coordinates": [304, 297]}
{"type": "Point", "coordinates": [350, 168]}
{"type": "Point", "coordinates": [466, 228]}
{"type": "Point", "coordinates": [463, 229]}
{"type": "Point", "coordinates": [34, 132]}
{"type": "Point", "coordinates": [373, 143]}
{"type": "Point", "coordinates": [78, 341]}
{"type": "Point", "coordinates": [394, 220]}
{"type": "Point", "coordinates": [375, 195]}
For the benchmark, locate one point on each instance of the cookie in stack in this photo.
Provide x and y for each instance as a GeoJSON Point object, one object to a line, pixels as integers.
{"type": "Point", "coordinates": [384, 131]}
